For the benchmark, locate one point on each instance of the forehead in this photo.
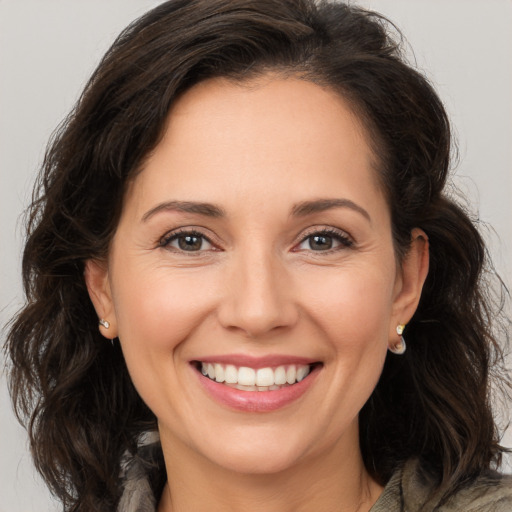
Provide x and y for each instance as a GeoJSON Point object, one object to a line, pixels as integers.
{"type": "Point", "coordinates": [260, 108]}
{"type": "Point", "coordinates": [268, 132]}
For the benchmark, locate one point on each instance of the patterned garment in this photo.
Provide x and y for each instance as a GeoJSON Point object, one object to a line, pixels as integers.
{"type": "Point", "coordinates": [143, 476]}
{"type": "Point", "coordinates": [408, 490]}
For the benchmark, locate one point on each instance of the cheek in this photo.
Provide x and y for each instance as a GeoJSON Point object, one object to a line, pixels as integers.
{"type": "Point", "coordinates": [158, 310]}
{"type": "Point", "coordinates": [353, 307]}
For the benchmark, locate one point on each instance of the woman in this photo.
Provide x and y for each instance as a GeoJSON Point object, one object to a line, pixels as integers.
{"type": "Point", "coordinates": [248, 202]}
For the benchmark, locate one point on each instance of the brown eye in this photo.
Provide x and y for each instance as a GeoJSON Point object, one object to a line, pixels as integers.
{"type": "Point", "coordinates": [190, 243]}
{"type": "Point", "coordinates": [320, 242]}
{"type": "Point", "coordinates": [187, 242]}
{"type": "Point", "coordinates": [325, 241]}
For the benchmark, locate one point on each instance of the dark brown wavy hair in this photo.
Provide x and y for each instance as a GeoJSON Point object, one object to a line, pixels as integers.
{"type": "Point", "coordinates": [71, 388]}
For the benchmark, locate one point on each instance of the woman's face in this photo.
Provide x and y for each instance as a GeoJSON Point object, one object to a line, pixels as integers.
{"type": "Point", "coordinates": [255, 245]}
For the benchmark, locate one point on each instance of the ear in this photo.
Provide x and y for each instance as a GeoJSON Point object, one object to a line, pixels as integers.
{"type": "Point", "coordinates": [98, 286]}
{"type": "Point", "coordinates": [410, 279]}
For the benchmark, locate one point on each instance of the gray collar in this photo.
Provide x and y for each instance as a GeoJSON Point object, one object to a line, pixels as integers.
{"type": "Point", "coordinates": [409, 489]}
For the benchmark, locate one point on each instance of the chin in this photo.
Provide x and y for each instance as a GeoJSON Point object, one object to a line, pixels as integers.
{"type": "Point", "coordinates": [257, 453]}
{"type": "Point", "coordinates": [258, 462]}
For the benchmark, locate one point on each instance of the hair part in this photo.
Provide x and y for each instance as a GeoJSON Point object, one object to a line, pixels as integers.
{"type": "Point", "coordinates": [72, 388]}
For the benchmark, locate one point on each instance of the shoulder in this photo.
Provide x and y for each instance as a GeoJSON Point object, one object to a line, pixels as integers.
{"type": "Point", "coordinates": [142, 476]}
{"type": "Point", "coordinates": [411, 489]}
{"type": "Point", "coordinates": [490, 492]}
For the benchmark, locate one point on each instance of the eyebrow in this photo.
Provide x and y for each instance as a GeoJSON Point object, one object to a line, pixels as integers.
{"type": "Point", "coordinates": [206, 209]}
{"type": "Point", "coordinates": [321, 205]}
{"type": "Point", "coordinates": [301, 209]}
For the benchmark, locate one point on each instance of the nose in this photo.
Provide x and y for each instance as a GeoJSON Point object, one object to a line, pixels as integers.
{"type": "Point", "coordinates": [258, 296]}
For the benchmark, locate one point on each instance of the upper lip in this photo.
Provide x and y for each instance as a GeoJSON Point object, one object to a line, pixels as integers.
{"type": "Point", "coordinates": [271, 360]}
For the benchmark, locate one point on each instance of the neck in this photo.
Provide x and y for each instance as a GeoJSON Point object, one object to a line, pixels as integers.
{"type": "Point", "coordinates": [334, 481]}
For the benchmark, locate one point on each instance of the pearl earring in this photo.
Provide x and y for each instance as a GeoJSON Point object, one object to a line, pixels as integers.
{"type": "Point", "coordinates": [104, 323]}
{"type": "Point", "coordinates": [400, 347]}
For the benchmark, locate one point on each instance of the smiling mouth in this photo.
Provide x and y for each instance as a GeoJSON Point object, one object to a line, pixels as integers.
{"type": "Point", "coordinates": [250, 379]}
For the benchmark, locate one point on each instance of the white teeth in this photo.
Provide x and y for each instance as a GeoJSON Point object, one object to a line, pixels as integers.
{"type": "Point", "coordinates": [219, 373]}
{"type": "Point", "coordinates": [250, 379]}
{"type": "Point", "coordinates": [265, 377]}
{"type": "Point", "coordinates": [246, 376]}
{"type": "Point", "coordinates": [231, 374]}
{"type": "Point", "coordinates": [302, 371]}
{"type": "Point", "coordinates": [280, 376]}
{"type": "Point", "coordinates": [241, 387]}
{"type": "Point", "coordinates": [291, 373]}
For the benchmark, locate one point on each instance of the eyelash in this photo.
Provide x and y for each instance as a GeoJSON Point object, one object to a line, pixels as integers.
{"type": "Point", "coordinates": [342, 238]}
{"type": "Point", "coordinates": [167, 239]}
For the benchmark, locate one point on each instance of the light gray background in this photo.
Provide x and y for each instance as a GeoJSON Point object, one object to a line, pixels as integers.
{"type": "Point", "coordinates": [49, 48]}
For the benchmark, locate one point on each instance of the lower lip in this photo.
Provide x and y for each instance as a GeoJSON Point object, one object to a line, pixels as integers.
{"type": "Point", "coordinates": [257, 401]}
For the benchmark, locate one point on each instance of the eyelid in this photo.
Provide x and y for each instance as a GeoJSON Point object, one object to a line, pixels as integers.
{"type": "Point", "coordinates": [342, 236]}
{"type": "Point", "coordinates": [346, 241]}
{"type": "Point", "coordinates": [173, 234]}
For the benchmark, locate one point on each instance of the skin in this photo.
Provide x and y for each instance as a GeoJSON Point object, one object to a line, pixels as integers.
{"type": "Point", "coordinates": [257, 150]}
